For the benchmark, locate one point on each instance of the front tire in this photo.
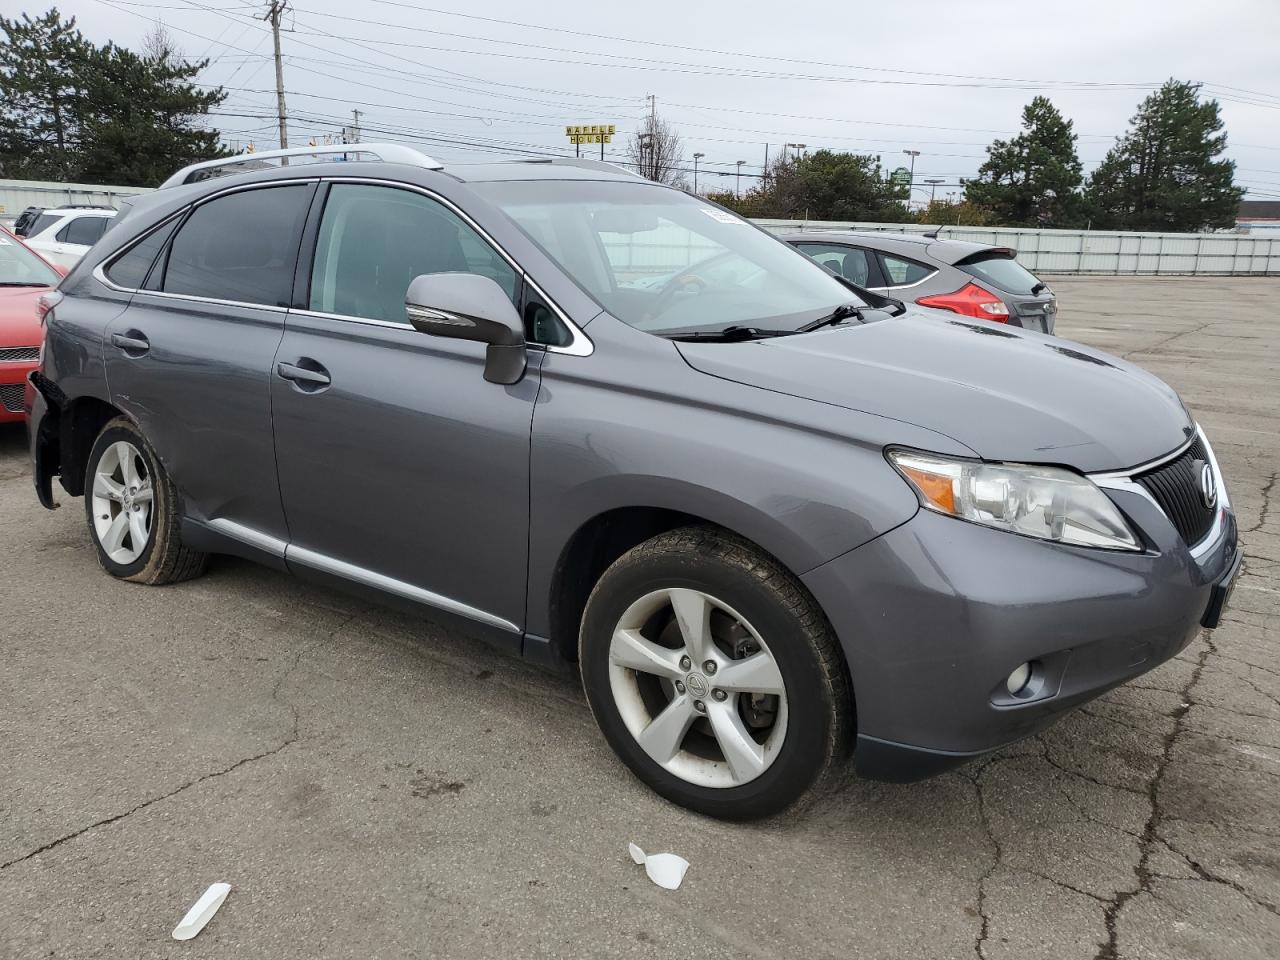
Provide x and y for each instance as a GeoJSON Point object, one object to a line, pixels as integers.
{"type": "Point", "coordinates": [714, 675]}
{"type": "Point", "coordinates": [133, 510]}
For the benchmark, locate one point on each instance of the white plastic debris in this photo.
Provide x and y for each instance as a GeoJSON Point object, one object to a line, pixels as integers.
{"type": "Point", "coordinates": [665, 869]}
{"type": "Point", "coordinates": [202, 911]}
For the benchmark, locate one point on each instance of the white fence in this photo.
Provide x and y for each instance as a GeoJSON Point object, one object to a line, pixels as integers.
{"type": "Point", "coordinates": [1097, 251]}
{"type": "Point", "coordinates": [17, 195]}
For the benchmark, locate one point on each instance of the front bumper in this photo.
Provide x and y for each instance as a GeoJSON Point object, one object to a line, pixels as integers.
{"type": "Point", "coordinates": [934, 615]}
{"type": "Point", "coordinates": [13, 387]}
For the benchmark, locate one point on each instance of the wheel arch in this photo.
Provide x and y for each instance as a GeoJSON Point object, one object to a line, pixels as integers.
{"type": "Point", "coordinates": [79, 422]}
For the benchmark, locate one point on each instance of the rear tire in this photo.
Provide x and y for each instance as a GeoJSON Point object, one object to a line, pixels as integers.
{"type": "Point", "coordinates": [133, 510]}
{"type": "Point", "coordinates": [714, 675]}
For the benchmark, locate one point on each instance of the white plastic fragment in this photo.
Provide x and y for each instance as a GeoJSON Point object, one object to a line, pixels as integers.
{"type": "Point", "coordinates": [201, 912]}
{"type": "Point", "coordinates": [667, 870]}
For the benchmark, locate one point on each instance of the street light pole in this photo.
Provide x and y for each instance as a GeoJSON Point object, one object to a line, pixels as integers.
{"type": "Point", "coordinates": [737, 184]}
{"type": "Point", "coordinates": [696, 158]}
{"type": "Point", "coordinates": [912, 154]}
{"type": "Point", "coordinates": [933, 185]}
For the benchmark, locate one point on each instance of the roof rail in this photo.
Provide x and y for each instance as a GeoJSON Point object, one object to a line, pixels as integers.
{"type": "Point", "coordinates": [585, 163]}
{"type": "Point", "coordinates": [386, 152]}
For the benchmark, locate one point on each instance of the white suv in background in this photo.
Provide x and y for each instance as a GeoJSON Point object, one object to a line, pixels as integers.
{"type": "Point", "coordinates": [63, 235]}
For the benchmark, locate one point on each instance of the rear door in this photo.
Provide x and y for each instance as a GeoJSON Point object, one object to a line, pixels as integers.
{"type": "Point", "coordinates": [855, 264]}
{"type": "Point", "coordinates": [401, 467]}
{"type": "Point", "coordinates": [191, 358]}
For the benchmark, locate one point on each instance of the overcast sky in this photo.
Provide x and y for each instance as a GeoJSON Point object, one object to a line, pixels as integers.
{"type": "Point", "coordinates": [940, 76]}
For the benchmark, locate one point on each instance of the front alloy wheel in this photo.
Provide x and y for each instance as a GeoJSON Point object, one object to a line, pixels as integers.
{"type": "Point", "coordinates": [698, 688]}
{"type": "Point", "coordinates": [714, 675]}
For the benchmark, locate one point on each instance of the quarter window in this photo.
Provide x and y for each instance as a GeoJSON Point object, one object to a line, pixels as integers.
{"type": "Point", "coordinates": [241, 247]}
{"type": "Point", "coordinates": [901, 271]}
{"type": "Point", "coordinates": [131, 269]}
{"type": "Point", "coordinates": [374, 240]}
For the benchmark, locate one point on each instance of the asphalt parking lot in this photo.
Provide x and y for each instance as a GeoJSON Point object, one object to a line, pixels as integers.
{"type": "Point", "coordinates": [372, 786]}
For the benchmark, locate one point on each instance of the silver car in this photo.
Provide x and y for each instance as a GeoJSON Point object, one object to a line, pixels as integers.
{"type": "Point", "coordinates": [971, 279]}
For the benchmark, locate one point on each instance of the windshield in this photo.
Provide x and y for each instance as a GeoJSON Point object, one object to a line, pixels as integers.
{"type": "Point", "coordinates": [1002, 270]}
{"type": "Point", "coordinates": [665, 262]}
{"type": "Point", "coordinates": [20, 267]}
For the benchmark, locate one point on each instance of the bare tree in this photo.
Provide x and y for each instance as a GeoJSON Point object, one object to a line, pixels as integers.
{"type": "Point", "coordinates": [655, 151]}
{"type": "Point", "coordinates": [159, 46]}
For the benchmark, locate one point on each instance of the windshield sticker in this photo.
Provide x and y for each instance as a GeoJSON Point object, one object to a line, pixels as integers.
{"type": "Point", "coordinates": [721, 216]}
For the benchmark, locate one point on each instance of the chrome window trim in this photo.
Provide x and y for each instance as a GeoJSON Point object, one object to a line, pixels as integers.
{"type": "Point", "coordinates": [378, 581]}
{"type": "Point", "coordinates": [1122, 480]}
{"type": "Point", "coordinates": [579, 346]}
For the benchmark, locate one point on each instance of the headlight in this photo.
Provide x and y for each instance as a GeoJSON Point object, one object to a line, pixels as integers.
{"type": "Point", "coordinates": [1044, 502]}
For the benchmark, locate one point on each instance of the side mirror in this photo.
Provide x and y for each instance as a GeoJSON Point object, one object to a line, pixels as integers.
{"type": "Point", "coordinates": [467, 306]}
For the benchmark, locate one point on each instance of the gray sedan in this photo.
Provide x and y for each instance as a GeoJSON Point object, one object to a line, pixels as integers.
{"type": "Point", "coordinates": [972, 279]}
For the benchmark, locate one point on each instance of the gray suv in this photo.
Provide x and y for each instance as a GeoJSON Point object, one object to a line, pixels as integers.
{"type": "Point", "coordinates": [604, 424]}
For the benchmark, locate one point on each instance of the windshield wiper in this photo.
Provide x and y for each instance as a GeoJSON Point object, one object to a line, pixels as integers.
{"type": "Point", "coordinates": [840, 314]}
{"type": "Point", "coordinates": [730, 334]}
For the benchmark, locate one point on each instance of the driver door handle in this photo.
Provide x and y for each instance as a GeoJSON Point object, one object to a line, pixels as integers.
{"type": "Point", "coordinates": [303, 376]}
{"type": "Point", "coordinates": [133, 342]}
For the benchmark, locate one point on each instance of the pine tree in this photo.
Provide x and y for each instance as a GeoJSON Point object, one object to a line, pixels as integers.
{"type": "Point", "coordinates": [1165, 173]}
{"type": "Point", "coordinates": [41, 75]}
{"type": "Point", "coordinates": [1034, 179]}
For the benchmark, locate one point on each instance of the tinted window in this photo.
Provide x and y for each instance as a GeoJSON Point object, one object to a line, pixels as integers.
{"type": "Point", "coordinates": [84, 230]}
{"type": "Point", "coordinates": [850, 262]}
{"type": "Point", "coordinates": [1006, 273]}
{"type": "Point", "coordinates": [374, 240]}
{"type": "Point", "coordinates": [240, 247]}
{"type": "Point", "coordinates": [131, 269]}
{"type": "Point", "coordinates": [901, 271]}
{"type": "Point", "coordinates": [43, 223]}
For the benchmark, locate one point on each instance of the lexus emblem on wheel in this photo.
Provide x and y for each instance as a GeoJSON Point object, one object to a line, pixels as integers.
{"type": "Point", "coordinates": [697, 684]}
{"type": "Point", "coordinates": [1208, 485]}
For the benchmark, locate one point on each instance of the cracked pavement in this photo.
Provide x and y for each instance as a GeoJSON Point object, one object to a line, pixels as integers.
{"type": "Point", "coordinates": [372, 785]}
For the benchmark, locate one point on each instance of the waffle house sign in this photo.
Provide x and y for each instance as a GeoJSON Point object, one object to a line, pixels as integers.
{"type": "Point", "coordinates": [590, 133]}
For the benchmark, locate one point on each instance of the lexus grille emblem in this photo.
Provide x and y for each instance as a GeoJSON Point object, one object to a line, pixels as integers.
{"type": "Point", "coordinates": [1208, 486]}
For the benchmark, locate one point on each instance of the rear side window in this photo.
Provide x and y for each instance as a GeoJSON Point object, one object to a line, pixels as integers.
{"type": "Point", "coordinates": [849, 262]}
{"type": "Point", "coordinates": [240, 247]}
{"type": "Point", "coordinates": [901, 271]}
{"type": "Point", "coordinates": [131, 270]}
{"type": "Point", "coordinates": [43, 223]}
{"type": "Point", "coordinates": [83, 230]}
{"type": "Point", "coordinates": [374, 240]}
{"type": "Point", "coordinates": [1004, 272]}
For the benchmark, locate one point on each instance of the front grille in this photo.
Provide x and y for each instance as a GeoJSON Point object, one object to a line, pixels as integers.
{"type": "Point", "coordinates": [18, 354]}
{"type": "Point", "coordinates": [11, 396]}
{"type": "Point", "coordinates": [1175, 486]}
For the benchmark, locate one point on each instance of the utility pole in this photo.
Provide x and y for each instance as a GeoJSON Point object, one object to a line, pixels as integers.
{"type": "Point", "coordinates": [275, 10]}
{"type": "Point", "coordinates": [696, 158]}
{"type": "Point", "coordinates": [737, 185]}
{"type": "Point", "coordinates": [355, 126]}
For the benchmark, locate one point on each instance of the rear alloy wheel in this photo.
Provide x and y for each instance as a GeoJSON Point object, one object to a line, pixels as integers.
{"type": "Point", "coordinates": [133, 511]}
{"type": "Point", "coordinates": [714, 675]}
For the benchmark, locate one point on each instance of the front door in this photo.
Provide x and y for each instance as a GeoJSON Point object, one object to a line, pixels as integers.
{"type": "Point", "coordinates": [400, 466]}
{"type": "Point", "coordinates": [191, 358]}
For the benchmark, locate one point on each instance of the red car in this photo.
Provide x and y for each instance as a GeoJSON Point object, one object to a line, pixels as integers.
{"type": "Point", "coordinates": [25, 277]}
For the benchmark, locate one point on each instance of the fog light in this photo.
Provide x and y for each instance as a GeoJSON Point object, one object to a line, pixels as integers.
{"type": "Point", "coordinates": [1018, 679]}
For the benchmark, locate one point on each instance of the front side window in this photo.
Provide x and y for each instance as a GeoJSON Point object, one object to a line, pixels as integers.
{"type": "Point", "coordinates": [665, 262]}
{"type": "Point", "coordinates": [849, 262]}
{"type": "Point", "coordinates": [241, 247]}
{"type": "Point", "coordinates": [19, 267]}
{"type": "Point", "coordinates": [374, 240]}
{"type": "Point", "coordinates": [902, 271]}
{"type": "Point", "coordinates": [85, 231]}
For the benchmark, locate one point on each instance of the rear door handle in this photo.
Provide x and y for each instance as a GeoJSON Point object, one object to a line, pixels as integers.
{"type": "Point", "coordinates": [305, 378]}
{"type": "Point", "coordinates": [134, 343]}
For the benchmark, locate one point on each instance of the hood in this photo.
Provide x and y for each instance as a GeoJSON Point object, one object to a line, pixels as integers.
{"type": "Point", "coordinates": [19, 324]}
{"type": "Point", "coordinates": [1006, 393]}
